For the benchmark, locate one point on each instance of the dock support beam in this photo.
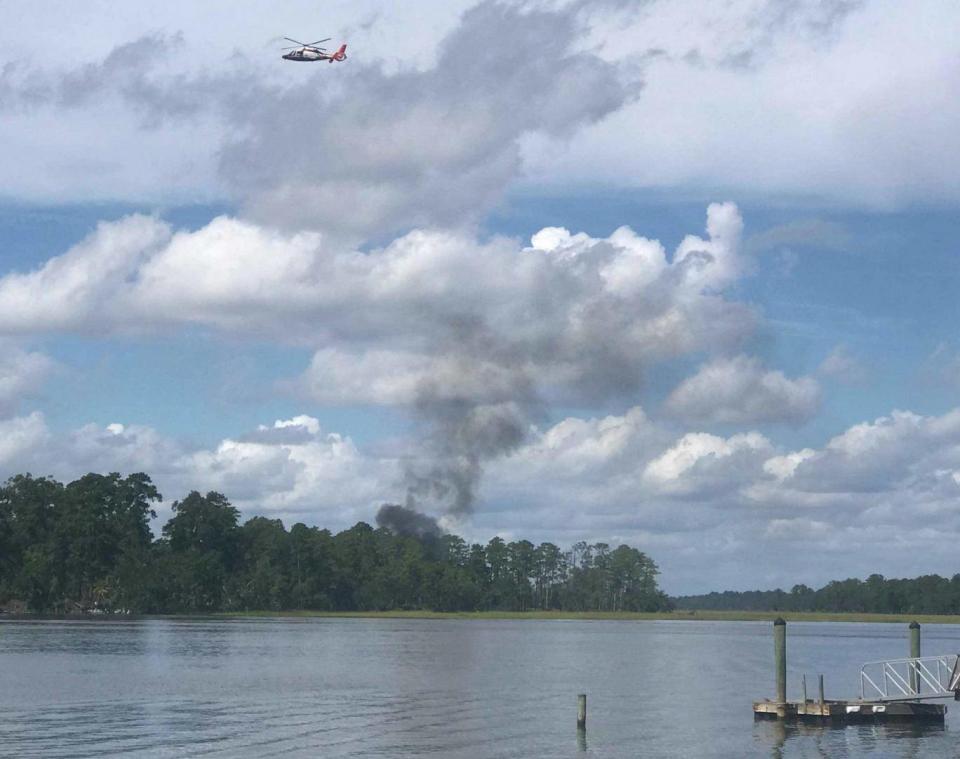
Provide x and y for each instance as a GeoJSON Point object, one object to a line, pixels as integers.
{"type": "Point", "coordinates": [582, 711]}
{"type": "Point", "coordinates": [914, 654]}
{"type": "Point", "coordinates": [780, 657]}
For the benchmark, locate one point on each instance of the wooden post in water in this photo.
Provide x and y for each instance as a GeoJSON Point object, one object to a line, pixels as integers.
{"type": "Point", "coordinates": [914, 654]}
{"type": "Point", "coordinates": [582, 711]}
{"type": "Point", "coordinates": [822, 699]}
{"type": "Point", "coordinates": [803, 682]}
{"type": "Point", "coordinates": [780, 657]}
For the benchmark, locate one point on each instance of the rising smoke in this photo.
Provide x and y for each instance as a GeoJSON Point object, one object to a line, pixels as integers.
{"type": "Point", "coordinates": [470, 415]}
{"type": "Point", "coordinates": [407, 522]}
{"type": "Point", "coordinates": [463, 435]}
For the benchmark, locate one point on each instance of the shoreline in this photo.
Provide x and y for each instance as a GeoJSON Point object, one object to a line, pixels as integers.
{"type": "Point", "coordinates": [600, 616]}
{"type": "Point", "coordinates": [679, 616]}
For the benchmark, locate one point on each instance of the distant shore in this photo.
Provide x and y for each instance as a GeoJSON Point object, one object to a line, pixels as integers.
{"type": "Point", "coordinates": [679, 616]}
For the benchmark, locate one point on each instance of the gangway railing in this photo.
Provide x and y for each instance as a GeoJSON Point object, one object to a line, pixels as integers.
{"type": "Point", "coordinates": [910, 679]}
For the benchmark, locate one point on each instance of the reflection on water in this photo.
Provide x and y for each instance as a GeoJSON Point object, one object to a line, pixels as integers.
{"type": "Point", "coordinates": [445, 688]}
{"type": "Point", "coordinates": [894, 739]}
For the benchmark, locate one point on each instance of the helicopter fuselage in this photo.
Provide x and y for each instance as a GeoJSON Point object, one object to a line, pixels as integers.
{"type": "Point", "coordinates": [312, 54]}
{"type": "Point", "coordinates": [306, 55]}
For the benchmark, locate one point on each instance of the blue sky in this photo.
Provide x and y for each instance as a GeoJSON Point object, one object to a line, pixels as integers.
{"type": "Point", "coordinates": [319, 289]}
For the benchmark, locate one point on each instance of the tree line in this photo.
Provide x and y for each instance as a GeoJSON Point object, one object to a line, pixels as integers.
{"type": "Point", "coordinates": [87, 546]}
{"type": "Point", "coordinates": [929, 594]}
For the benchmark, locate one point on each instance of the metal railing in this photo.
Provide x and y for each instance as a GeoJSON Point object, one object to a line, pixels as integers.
{"type": "Point", "coordinates": [910, 679]}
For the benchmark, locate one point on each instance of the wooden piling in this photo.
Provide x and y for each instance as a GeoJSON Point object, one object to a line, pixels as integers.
{"type": "Point", "coordinates": [914, 654]}
{"type": "Point", "coordinates": [582, 711]}
{"type": "Point", "coordinates": [780, 657]}
{"type": "Point", "coordinates": [822, 699]}
{"type": "Point", "coordinates": [803, 683]}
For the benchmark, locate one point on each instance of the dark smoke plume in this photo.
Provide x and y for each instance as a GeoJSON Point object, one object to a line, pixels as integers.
{"type": "Point", "coordinates": [463, 435]}
{"type": "Point", "coordinates": [479, 410]}
{"type": "Point", "coordinates": [407, 522]}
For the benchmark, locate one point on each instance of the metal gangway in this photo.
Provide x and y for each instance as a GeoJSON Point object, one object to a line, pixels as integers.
{"type": "Point", "coordinates": [911, 679]}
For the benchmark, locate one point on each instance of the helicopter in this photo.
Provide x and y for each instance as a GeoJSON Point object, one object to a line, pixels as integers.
{"type": "Point", "coordinates": [309, 52]}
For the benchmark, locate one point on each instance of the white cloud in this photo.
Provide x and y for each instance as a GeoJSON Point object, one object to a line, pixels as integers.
{"type": "Point", "coordinates": [293, 477]}
{"type": "Point", "coordinates": [900, 450]}
{"type": "Point", "coordinates": [712, 264]}
{"type": "Point", "coordinates": [81, 289]}
{"type": "Point", "coordinates": [228, 273]}
{"type": "Point", "coordinates": [302, 421]}
{"type": "Point", "coordinates": [579, 452]}
{"type": "Point", "coordinates": [572, 316]}
{"type": "Point", "coordinates": [22, 373]}
{"type": "Point", "coordinates": [579, 318]}
{"type": "Point", "coordinates": [292, 469]}
{"type": "Point", "coordinates": [782, 467]}
{"type": "Point", "coordinates": [739, 390]}
{"type": "Point", "coordinates": [853, 111]}
{"type": "Point", "coordinates": [696, 446]}
{"type": "Point", "coordinates": [842, 366]}
{"type": "Point", "coordinates": [18, 435]}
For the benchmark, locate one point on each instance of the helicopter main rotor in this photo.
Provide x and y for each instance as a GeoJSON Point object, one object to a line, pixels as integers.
{"type": "Point", "coordinates": [302, 44]}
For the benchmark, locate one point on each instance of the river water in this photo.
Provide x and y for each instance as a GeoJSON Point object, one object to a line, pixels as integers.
{"type": "Point", "coordinates": [321, 687]}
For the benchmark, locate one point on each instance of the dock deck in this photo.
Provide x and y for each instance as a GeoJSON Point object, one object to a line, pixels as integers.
{"type": "Point", "coordinates": [852, 711]}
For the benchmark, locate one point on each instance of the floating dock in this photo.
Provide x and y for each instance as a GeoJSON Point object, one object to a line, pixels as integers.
{"type": "Point", "coordinates": [850, 712]}
{"type": "Point", "coordinates": [897, 690]}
